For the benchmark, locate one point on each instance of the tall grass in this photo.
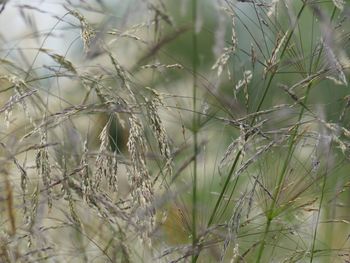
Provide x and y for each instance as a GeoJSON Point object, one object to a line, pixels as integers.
{"type": "Point", "coordinates": [174, 131]}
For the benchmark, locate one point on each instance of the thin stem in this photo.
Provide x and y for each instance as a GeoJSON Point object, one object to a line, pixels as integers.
{"type": "Point", "coordinates": [271, 211]}
{"type": "Point", "coordinates": [325, 176]}
{"type": "Point", "coordinates": [233, 167]}
{"type": "Point", "coordinates": [194, 130]}
{"type": "Point", "coordinates": [319, 209]}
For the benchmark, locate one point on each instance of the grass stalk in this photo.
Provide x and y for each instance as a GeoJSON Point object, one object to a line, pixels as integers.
{"type": "Point", "coordinates": [325, 176]}
{"type": "Point", "coordinates": [233, 167]}
{"type": "Point", "coordinates": [194, 130]}
{"type": "Point", "coordinates": [318, 215]}
{"type": "Point", "coordinates": [271, 211]}
{"type": "Point", "coordinates": [291, 148]}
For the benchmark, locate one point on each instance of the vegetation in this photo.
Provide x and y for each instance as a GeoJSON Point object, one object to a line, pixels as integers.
{"type": "Point", "coordinates": [174, 131]}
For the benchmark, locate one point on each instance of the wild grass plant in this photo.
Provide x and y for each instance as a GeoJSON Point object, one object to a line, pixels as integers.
{"type": "Point", "coordinates": [174, 131]}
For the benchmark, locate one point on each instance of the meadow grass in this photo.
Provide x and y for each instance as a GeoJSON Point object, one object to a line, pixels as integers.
{"type": "Point", "coordinates": [175, 131]}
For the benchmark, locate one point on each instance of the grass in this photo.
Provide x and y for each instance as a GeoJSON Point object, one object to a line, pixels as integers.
{"type": "Point", "coordinates": [174, 131]}
{"type": "Point", "coordinates": [195, 131]}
